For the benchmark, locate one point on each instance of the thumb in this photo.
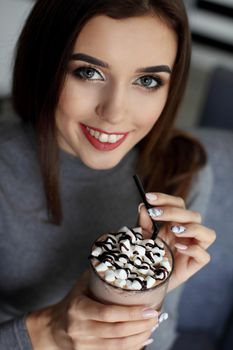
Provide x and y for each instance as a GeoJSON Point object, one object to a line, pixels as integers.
{"type": "Point", "coordinates": [144, 221]}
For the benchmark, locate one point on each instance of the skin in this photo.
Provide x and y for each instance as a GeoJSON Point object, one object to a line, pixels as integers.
{"type": "Point", "coordinates": [117, 105]}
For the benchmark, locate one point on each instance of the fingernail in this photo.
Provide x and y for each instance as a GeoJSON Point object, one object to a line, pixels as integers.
{"type": "Point", "coordinates": [149, 313]}
{"type": "Point", "coordinates": [178, 229]}
{"type": "Point", "coordinates": [148, 342]}
{"type": "Point", "coordinates": [155, 212]}
{"type": "Point", "coordinates": [181, 246]}
{"type": "Point", "coordinates": [154, 328]}
{"type": "Point", "coordinates": [151, 196]}
{"type": "Point", "coordinates": [163, 317]}
{"type": "Point", "coordinates": [140, 206]}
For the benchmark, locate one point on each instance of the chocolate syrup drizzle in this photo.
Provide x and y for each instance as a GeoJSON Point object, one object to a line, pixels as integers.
{"type": "Point", "coordinates": [112, 255]}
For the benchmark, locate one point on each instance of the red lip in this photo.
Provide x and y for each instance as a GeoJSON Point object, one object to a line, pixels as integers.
{"type": "Point", "coordinates": [100, 145]}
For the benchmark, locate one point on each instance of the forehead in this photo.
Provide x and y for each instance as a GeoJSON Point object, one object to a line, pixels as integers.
{"type": "Point", "coordinates": [132, 42]}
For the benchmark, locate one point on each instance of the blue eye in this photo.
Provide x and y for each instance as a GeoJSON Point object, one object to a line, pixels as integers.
{"type": "Point", "coordinates": [87, 73]}
{"type": "Point", "coordinates": [150, 82]}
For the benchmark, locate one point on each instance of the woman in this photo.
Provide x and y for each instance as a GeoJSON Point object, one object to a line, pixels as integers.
{"type": "Point", "coordinates": [97, 85]}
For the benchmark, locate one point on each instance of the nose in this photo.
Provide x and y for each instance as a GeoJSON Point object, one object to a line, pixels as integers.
{"type": "Point", "coordinates": [112, 106]}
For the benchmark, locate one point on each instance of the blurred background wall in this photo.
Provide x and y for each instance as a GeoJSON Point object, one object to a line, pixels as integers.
{"type": "Point", "coordinates": [210, 87]}
{"type": "Point", "coordinates": [211, 75]}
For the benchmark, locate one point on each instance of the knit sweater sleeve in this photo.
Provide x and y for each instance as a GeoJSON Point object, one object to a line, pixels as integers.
{"type": "Point", "coordinates": [201, 190]}
{"type": "Point", "coordinates": [14, 335]}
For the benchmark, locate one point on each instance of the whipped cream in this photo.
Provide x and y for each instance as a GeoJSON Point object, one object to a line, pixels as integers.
{"type": "Point", "coordinates": [126, 260]}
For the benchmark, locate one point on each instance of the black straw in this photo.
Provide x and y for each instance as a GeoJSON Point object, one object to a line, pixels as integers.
{"type": "Point", "coordinates": [148, 206]}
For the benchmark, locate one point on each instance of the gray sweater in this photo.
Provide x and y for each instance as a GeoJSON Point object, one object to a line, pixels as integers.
{"type": "Point", "coordinates": [40, 262]}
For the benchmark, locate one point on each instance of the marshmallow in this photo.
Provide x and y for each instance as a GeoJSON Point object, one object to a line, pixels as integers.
{"type": "Point", "coordinates": [110, 276]}
{"type": "Point", "coordinates": [148, 242]}
{"type": "Point", "coordinates": [150, 273]}
{"type": "Point", "coordinates": [132, 236]}
{"type": "Point", "coordinates": [141, 250]}
{"type": "Point", "coordinates": [137, 261]}
{"type": "Point", "coordinates": [166, 264]}
{"type": "Point", "coordinates": [101, 267]}
{"type": "Point", "coordinates": [123, 258]}
{"type": "Point", "coordinates": [107, 263]}
{"type": "Point", "coordinates": [120, 283]}
{"type": "Point", "coordinates": [124, 245]}
{"type": "Point", "coordinates": [108, 246]}
{"type": "Point", "coordinates": [138, 230]}
{"type": "Point", "coordinates": [136, 285]}
{"type": "Point", "coordinates": [150, 282]}
{"type": "Point", "coordinates": [111, 239]}
{"type": "Point", "coordinates": [120, 263]}
{"type": "Point", "coordinates": [157, 259]}
{"type": "Point", "coordinates": [143, 270]}
{"type": "Point", "coordinates": [121, 274]}
{"type": "Point", "coordinates": [128, 284]}
{"type": "Point", "coordinates": [160, 245]}
{"type": "Point", "coordinates": [97, 251]}
{"type": "Point", "coordinates": [123, 229]}
{"type": "Point", "coordinates": [131, 267]}
{"type": "Point", "coordinates": [140, 278]}
{"type": "Point", "coordinates": [156, 250]}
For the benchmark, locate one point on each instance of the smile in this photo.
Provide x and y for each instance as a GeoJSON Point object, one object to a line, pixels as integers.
{"type": "Point", "coordinates": [101, 140]}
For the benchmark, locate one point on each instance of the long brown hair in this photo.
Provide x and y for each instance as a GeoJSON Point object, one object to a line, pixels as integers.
{"type": "Point", "coordinates": [169, 157]}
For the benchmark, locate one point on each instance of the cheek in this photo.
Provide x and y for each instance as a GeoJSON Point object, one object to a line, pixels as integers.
{"type": "Point", "coordinates": [75, 101]}
{"type": "Point", "coordinates": [149, 112]}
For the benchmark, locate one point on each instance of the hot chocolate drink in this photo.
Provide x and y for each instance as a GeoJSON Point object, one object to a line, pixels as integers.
{"type": "Point", "coordinates": [129, 270]}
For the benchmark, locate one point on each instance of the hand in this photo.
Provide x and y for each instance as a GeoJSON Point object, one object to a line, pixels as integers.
{"type": "Point", "coordinates": [191, 244]}
{"type": "Point", "coordinates": [78, 322]}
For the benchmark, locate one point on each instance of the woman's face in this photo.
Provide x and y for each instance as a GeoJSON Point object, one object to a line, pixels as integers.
{"type": "Point", "coordinates": [116, 87]}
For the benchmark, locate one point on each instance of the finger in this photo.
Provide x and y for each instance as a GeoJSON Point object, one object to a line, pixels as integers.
{"type": "Point", "coordinates": [89, 309]}
{"type": "Point", "coordinates": [175, 214]}
{"type": "Point", "coordinates": [118, 329]}
{"type": "Point", "coordinates": [155, 198]}
{"type": "Point", "coordinates": [145, 221]}
{"type": "Point", "coordinates": [204, 235]}
{"type": "Point", "coordinates": [123, 343]}
{"type": "Point", "coordinates": [198, 257]}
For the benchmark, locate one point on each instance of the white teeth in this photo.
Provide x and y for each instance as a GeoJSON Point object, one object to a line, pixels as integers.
{"type": "Point", "coordinates": [102, 137]}
{"type": "Point", "coordinates": [112, 138]}
{"type": "Point", "coordinates": [118, 137]}
{"type": "Point", "coordinates": [96, 134]}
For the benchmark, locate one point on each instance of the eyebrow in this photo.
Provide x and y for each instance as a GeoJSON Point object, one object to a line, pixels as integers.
{"type": "Point", "coordinates": [97, 62]}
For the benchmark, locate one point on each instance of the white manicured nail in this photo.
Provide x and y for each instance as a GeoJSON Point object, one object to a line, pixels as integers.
{"type": "Point", "coordinates": [149, 313]}
{"type": "Point", "coordinates": [140, 207]}
{"type": "Point", "coordinates": [163, 317]}
{"type": "Point", "coordinates": [178, 229]}
{"type": "Point", "coordinates": [151, 196]}
{"type": "Point", "coordinates": [154, 328]}
{"type": "Point", "coordinates": [181, 246]}
{"type": "Point", "coordinates": [155, 212]}
{"type": "Point", "coordinates": [148, 342]}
